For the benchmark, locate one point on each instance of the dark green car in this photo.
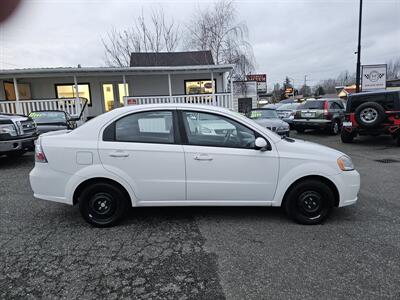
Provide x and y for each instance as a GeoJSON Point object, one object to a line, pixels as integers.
{"type": "Point", "coordinates": [323, 114]}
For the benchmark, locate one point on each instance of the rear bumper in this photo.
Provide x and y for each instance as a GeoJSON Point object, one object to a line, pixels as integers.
{"type": "Point", "coordinates": [48, 184]}
{"type": "Point", "coordinates": [310, 123]}
{"type": "Point", "coordinates": [18, 144]}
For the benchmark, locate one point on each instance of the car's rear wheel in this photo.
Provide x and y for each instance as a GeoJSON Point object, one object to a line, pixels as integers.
{"type": "Point", "coordinates": [309, 202]}
{"type": "Point", "coordinates": [370, 114]}
{"type": "Point", "coordinates": [300, 129]}
{"type": "Point", "coordinates": [346, 137]}
{"type": "Point", "coordinates": [102, 204]}
{"type": "Point", "coordinates": [335, 127]}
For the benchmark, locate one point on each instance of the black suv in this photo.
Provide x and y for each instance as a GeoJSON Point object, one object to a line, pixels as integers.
{"type": "Point", "coordinates": [327, 114]}
{"type": "Point", "coordinates": [372, 113]}
{"type": "Point", "coordinates": [17, 134]}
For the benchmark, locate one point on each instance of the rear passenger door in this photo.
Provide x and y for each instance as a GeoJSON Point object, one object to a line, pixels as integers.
{"type": "Point", "coordinates": [144, 149]}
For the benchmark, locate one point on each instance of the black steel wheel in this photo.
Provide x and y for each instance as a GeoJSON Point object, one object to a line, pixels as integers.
{"type": "Point", "coordinates": [102, 204]}
{"type": "Point", "coordinates": [309, 202]}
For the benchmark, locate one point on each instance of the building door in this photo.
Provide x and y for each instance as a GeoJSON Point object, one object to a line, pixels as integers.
{"type": "Point", "coordinates": [113, 95]}
{"type": "Point", "coordinates": [244, 105]}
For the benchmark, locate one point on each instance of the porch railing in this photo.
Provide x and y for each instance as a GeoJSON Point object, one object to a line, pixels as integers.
{"type": "Point", "coordinates": [74, 106]}
{"type": "Point", "coordinates": [221, 100]}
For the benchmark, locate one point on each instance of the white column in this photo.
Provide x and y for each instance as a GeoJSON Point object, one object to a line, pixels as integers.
{"type": "Point", "coordinates": [18, 107]}
{"type": "Point", "coordinates": [169, 88]}
{"type": "Point", "coordinates": [78, 102]}
{"type": "Point", "coordinates": [231, 96]}
{"type": "Point", "coordinates": [125, 87]}
{"type": "Point", "coordinates": [213, 88]}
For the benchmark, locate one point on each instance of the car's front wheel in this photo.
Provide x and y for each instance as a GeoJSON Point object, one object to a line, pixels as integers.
{"type": "Point", "coordinates": [309, 202]}
{"type": "Point", "coordinates": [102, 204]}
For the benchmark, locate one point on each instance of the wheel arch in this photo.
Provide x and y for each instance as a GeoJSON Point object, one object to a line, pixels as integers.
{"type": "Point", "coordinates": [90, 181]}
{"type": "Point", "coordinates": [325, 180]}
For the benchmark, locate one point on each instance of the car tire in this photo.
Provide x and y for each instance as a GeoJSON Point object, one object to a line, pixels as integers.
{"type": "Point", "coordinates": [346, 137]}
{"type": "Point", "coordinates": [370, 115]}
{"type": "Point", "coordinates": [309, 202]}
{"type": "Point", "coordinates": [335, 127]}
{"type": "Point", "coordinates": [16, 154]}
{"type": "Point", "coordinates": [102, 204]}
{"type": "Point", "coordinates": [398, 140]}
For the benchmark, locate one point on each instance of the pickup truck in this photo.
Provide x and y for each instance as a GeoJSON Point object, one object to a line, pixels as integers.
{"type": "Point", "coordinates": [17, 134]}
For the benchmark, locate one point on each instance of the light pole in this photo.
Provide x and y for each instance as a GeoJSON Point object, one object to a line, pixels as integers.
{"type": "Point", "coordinates": [359, 51]}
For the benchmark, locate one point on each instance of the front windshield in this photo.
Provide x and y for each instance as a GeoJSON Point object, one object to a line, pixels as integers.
{"type": "Point", "coordinates": [41, 117]}
{"type": "Point", "coordinates": [263, 114]}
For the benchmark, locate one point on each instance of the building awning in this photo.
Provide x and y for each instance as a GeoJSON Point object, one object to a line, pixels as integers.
{"type": "Point", "coordinates": [107, 71]}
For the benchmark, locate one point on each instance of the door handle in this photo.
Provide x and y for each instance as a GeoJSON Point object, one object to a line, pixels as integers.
{"type": "Point", "coordinates": [119, 154]}
{"type": "Point", "coordinates": [202, 157]}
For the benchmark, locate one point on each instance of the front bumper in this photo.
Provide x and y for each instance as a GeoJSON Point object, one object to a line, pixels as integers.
{"type": "Point", "coordinates": [348, 184]}
{"type": "Point", "coordinates": [18, 144]}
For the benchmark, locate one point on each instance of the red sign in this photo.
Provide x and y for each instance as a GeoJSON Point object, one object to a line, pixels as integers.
{"type": "Point", "coordinates": [131, 101]}
{"type": "Point", "coordinates": [257, 77]}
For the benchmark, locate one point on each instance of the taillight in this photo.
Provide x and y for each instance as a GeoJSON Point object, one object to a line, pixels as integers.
{"type": "Point", "coordinates": [39, 154]}
{"type": "Point", "coordinates": [326, 107]}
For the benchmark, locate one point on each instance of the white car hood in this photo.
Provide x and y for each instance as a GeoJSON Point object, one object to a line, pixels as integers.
{"type": "Point", "coordinates": [307, 150]}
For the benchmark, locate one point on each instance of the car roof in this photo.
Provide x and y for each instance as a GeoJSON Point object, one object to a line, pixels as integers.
{"type": "Point", "coordinates": [264, 108]}
{"type": "Point", "coordinates": [374, 92]}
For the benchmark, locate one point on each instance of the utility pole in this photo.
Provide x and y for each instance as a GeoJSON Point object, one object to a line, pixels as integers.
{"type": "Point", "coordinates": [358, 75]}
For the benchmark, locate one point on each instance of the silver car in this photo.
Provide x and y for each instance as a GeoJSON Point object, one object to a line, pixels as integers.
{"type": "Point", "coordinates": [269, 118]}
{"type": "Point", "coordinates": [287, 111]}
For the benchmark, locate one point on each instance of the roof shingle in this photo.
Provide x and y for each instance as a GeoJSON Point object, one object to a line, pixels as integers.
{"type": "Point", "coordinates": [188, 58]}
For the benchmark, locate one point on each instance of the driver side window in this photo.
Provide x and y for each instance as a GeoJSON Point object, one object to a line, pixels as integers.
{"type": "Point", "coordinates": [204, 129]}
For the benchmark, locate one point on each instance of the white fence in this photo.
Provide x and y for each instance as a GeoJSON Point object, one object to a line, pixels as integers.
{"type": "Point", "coordinates": [73, 106]}
{"type": "Point", "coordinates": [222, 100]}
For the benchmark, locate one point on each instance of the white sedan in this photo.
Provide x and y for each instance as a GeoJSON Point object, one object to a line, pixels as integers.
{"type": "Point", "coordinates": [161, 155]}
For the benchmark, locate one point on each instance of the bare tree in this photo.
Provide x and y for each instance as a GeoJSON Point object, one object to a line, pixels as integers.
{"type": "Point", "coordinates": [156, 35]}
{"type": "Point", "coordinates": [393, 68]}
{"type": "Point", "coordinates": [216, 28]}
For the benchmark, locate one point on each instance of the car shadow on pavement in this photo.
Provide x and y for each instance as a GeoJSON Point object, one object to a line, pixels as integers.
{"type": "Point", "coordinates": [145, 214]}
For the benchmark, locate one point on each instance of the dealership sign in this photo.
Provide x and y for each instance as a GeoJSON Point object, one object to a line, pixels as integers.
{"type": "Point", "coordinates": [261, 80]}
{"type": "Point", "coordinates": [373, 77]}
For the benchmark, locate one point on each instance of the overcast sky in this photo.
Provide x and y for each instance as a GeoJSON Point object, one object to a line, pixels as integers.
{"type": "Point", "coordinates": [316, 38]}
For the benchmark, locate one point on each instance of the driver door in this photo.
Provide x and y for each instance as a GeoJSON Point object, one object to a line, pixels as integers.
{"type": "Point", "coordinates": [222, 163]}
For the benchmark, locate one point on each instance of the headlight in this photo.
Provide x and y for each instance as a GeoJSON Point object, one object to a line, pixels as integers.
{"type": "Point", "coordinates": [283, 128]}
{"type": "Point", "coordinates": [345, 164]}
{"type": "Point", "coordinates": [8, 128]}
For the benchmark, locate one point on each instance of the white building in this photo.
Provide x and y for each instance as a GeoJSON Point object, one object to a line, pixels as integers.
{"type": "Point", "coordinates": [190, 77]}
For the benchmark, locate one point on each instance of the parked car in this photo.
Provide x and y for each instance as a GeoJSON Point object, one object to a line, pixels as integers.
{"type": "Point", "coordinates": [149, 155]}
{"type": "Point", "coordinates": [17, 134]}
{"type": "Point", "coordinates": [324, 114]}
{"type": "Point", "coordinates": [269, 118]}
{"type": "Point", "coordinates": [372, 113]}
{"type": "Point", "coordinates": [52, 120]}
{"type": "Point", "coordinates": [287, 111]}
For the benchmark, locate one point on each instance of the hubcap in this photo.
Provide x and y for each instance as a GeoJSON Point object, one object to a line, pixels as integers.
{"type": "Point", "coordinates": [336, 128]}
{"type": "Point", "coordinates": [310, 201]}
{"type": "Point", "coordinates": [101, 203]}
{"type": "Point", "coordinates": [369, 115]}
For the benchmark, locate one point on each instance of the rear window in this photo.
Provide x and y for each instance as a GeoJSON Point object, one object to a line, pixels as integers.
{"type": "Point", "coordinates": [313, 105]}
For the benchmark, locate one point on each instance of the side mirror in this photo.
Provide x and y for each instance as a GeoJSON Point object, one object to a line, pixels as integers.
{"type": "Point", "coordinates": [262, 144]}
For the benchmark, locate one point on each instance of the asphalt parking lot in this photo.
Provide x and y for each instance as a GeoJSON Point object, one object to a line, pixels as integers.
{"type": "Point", "coordinates": [48, 251]}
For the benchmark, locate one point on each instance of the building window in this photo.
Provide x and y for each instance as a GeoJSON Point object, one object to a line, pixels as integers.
{"type": "Point", "coordinates": [24, 91]}
{"type": "Point", "coordinates": [68, 91]}
{"type": "Point", "coordinates": [193, 87]}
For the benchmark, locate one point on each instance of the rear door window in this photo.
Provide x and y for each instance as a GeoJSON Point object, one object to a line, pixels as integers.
{"type": "Point", "coordinates": [146, 127]}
